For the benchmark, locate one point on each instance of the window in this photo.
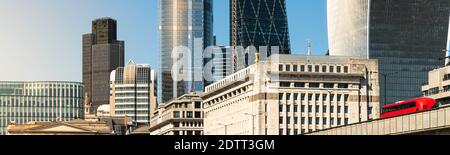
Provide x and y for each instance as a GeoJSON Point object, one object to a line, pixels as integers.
{"type": "Point", "coordinates": [176, 124]}
{"type": "Point", "coordinates": [295, 68]}
{"type": "Point", "coordinates": [198, 114]}
{"type": "Point", "coordinates": [280, 67]}
{"type": "Point", "coordinates": [324, 69]}
{"type": "Point", "coordinates": [317, 109]}
{"type": "Point", "coordinates": [343, 85]}
{"type": "Point", "coordinates": [324, 121]}
{"type": "Point", "coordinates": [331, 109]}
{"type": "Point", "coordinates": [288, 120]}
{"type": "Point", "coordinates": [295, 120]}
{"type": "Point", "coordinates": [328, 85]}
{"type": "Point", "coordinates": [332, 121]}
{"type": "Point", "coordinates": [338, 69]}
{"type": "Point", "coordinates": [339, 121]}
{"type": "Point", "coordinates": [346, 121]}
{"type": "Point", "coordinates": [303, 120]}
{"type": "Point", "coordinates": [302, 68]}
{"type": "Point", "coordinates": [339, 109]}
{"type": "Point", "coordinates": [303, 108]}
{"type": "Point", "coordinates": [310, 120]}
{"type": "Point", "coordinates": [345, 69]}
{"type": "Point", "coordinates": [446, 77]}
{"type": "Point", "coordinates": [189, 114]}
{"type": "Point", "coordinates": [400, 107]}
{"type": "Point", "coordinates": [299, 85]}
{"type": "Point", "coordinates": [198, 105]}
{"type": "Point", "coordinates": [281, 132]}
{"type": "Point", "coordinates": [281, 108]}
{"type": "Point", "coordinates": [310, 108]}
{"type": "Point", "coordinates": [310, 68]}
{"type": "Point", "coordinates": [295, 131]}
{"type": "Point", "coordinates": [176, 114]}
{"type": "Point", "coordinates": [281, 120]}
{"type": "Point", "coordinates": [295, 108]}
{"type": "Point", "coordinates": [285, 84]}
{"type": "Point", "coordinates": [288, 68]}
{"type": "Point", "coordinates": [332, 69]}
{"type": "Point", "coordinates": [324, 109]}
{"type": "Point", "coordinates": [317, 121]}
{"type": "Point", "coordinates": [314, 85]}
{"type": "Point", "coordinates": [317, 68]}
{"type": "Point", "coordinates": [288, 108]}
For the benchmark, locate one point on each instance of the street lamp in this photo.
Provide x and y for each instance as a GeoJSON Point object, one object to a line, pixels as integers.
{"type": "Point", "coordinates": [225, 125]}
{"type": "Point", "coordinates": [385, 84]}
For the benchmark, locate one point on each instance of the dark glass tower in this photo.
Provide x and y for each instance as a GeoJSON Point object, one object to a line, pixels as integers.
{"type": "Point", "coordinates": [406, 36]}
{"type": "Point", "coordinates": [259, 23]}
{"type": "Point", "coordinates": [189, 24]}
{"type": "Point", "coordinates": [102, 53]}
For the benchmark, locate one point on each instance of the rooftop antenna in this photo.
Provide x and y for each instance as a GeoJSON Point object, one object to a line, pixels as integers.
{"type": "Point", "coordinates": [309, 48]}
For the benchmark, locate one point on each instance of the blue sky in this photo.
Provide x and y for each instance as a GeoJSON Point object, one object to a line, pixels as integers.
{"type": "Point", "coordinates": [41, 40]}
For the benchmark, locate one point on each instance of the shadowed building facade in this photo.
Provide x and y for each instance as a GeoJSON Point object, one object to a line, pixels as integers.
{"type": "Point", "coordinates": [188, 24]}
{"type": "Point", "coordinates": [406, 36]}
{"type": "Point", "coordinates": [102, 53]}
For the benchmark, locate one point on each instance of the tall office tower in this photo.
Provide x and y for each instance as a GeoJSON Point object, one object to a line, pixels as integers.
{"type": "Point", "coordinates": [102, 53]}
{"type": "Point", "coordinates": [258, 23]}
{"type": "Point", "coordinates": [133, 92]}
{"type": "Point", "coordinates": [189, 24]}
{"type": "Point", "coordinates": [406, 36]}
{"type": "Point", "coordinates": [41, 101]}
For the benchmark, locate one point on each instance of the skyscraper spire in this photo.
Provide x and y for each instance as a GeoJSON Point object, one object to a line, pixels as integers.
{"type": "Point", "coordinates": [309, 48]}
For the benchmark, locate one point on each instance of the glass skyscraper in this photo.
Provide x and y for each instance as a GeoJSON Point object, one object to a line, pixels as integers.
{"type": "Point", "coordinates": [23, 102]}
{"type": "Point", "coordinates": [189, 24]}
{"type": "Point", "coordinates": [258, 23]}
{"type": "Point", "coordinates": [406, 36]}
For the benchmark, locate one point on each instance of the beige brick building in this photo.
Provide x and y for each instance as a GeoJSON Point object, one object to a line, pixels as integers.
{"type": "Point", "coordinates": [182, 116]}
{"type": "Point", "coordinates": [438, 86]}
{"type": "Point", "coordinates": [293, 94]}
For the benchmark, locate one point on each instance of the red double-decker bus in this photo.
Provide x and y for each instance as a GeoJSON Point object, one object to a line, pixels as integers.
{"type": "Point", "coordinates": [408, 107]}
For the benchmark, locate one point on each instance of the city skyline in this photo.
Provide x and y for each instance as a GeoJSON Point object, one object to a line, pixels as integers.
{"type": "Point", "coordinates": [35, 44]}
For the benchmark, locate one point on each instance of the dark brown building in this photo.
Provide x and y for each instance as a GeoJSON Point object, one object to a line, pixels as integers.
{"type": "Point", "coordinates": [102, 53]}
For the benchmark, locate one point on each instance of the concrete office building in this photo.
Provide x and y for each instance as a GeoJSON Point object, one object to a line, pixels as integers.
{"type": "Point", "coordinates": [23, 102]}
{"type": "Point", "coordinates": [102, 53]}
{"type": "Point", "coordinates": [261, 24]}
{"type": "Point", "coordinates": [406, 36]}
{"type": "Point", "coordinates": [188, 24]}
{"type": "Point", "coordinates": [133, 92]}
{"type": "Point", "coordinates": [438, 85]}
{"type": "Point", "coordinates": [182, 116]}
{"type": "Point", "coordinates": [293, 94]}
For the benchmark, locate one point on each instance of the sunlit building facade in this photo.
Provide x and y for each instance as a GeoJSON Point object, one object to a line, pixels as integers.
{"type": "Point", "coordinates": [406, 36]}
{"type": "Point", "coordinates": [188, 24]}
{"type": "Point", "coordinates": [24, 102]}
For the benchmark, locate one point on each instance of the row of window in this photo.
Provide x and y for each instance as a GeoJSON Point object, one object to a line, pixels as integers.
{"type": "Point", "coordinates": [314, 85]}
{"type": "Point", "coordinates": [287, 120]}
{"type": "Point", "coordinates": [187, 124]}
{"type": "Point", "coordinates": [310, 108]}
{"type": "Point", "coordinates": [287, 97]}
{"type": "Point", "coordinates": [197, 105]}
{"type": "Point", "coordinates": [187, 114]}
{"type": "Point", "coordinates": [187, 132]}
{"type": "Point", "coordinates": [313, 68]}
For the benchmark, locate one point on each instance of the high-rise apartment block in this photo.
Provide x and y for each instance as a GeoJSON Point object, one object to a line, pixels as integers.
{"type": "Point", "coordinates": [133, 92]}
